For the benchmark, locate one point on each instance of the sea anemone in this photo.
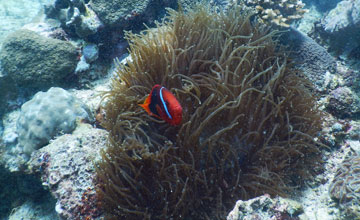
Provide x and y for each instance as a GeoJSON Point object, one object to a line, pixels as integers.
{"type": "Point", "coordinates": [249, 119]}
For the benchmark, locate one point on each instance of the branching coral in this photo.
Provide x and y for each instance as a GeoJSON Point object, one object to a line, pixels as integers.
{"type": "Point", "coordinates": [249, 119]}
{"type": "Point", "coordinates": [279, 12]}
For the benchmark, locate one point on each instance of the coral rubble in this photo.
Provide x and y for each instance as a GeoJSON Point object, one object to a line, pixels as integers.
{"type": "Point", "coordinates": [249, 120]}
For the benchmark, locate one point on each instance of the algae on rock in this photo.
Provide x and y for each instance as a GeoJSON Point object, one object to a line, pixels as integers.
{"type": "Point", "coordinates": [35, 61]}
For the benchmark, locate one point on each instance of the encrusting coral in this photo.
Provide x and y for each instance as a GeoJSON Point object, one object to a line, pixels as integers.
{"type": "Point", "coordinates": [249, 120]}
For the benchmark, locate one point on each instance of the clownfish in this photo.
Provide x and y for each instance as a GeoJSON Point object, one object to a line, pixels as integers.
{"type": "Point", "coordinates": [162, 104]}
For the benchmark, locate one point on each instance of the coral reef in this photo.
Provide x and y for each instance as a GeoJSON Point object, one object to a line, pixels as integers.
{"type": "Point", "coordinates": [218, 5]}
{"type": "Point", "coordinates": [34, 61]}
{"type": "Point", "coordinates": [323, 6]}
{"type": "Point", "coordinates": [310, 57]}
{"type": "Point", "coordinates": [339, 29]}
{"type": "Point", "coordinates": [350, 76]}
{"type": "Point", "coordinates": [264, 207]}
{"type": "Point", "coordinates": [90, 52]}
{"type": "Point", "coordinates": [67, 171]}
{"type": "Point", "coordinates": [124, 13]}
{"type": "Point", "coordinates": [86, 18]}
{"type": "Point", "coordinates": [119, 13]}
{"type": "Point", "coordinates": [102, 23]}
{"type": "Point", "coordinates": [279, 12]}
{"type": "Point", "coordinates": [14, 14]}
{"type": "Point", "coordinates": [353, 131]}
{"type": "Point", "coordinates": [345, 187]}
{"type": "Point", "coordinates": [40, 210]}
{"type": "Point", "coordinates": [345, 14]}
{"type": "Point", "coordinates": [49, 114]}
{"type": "Point", "coordinates": [75, 16]}
{"type": "Point", "coordinates": [249, 120]}
{"type": "Point", "coordinates": [17, 188]}
{"type": "Point", "coordinates": [7, 92]}
{"type": "Point", "coordinates": [344, 103]}
{"type": "Point", "coordinates": [12, 157]}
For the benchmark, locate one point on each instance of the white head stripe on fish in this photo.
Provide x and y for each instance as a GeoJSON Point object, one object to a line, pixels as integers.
{"type": "Point", "coordinates": [164, 104]}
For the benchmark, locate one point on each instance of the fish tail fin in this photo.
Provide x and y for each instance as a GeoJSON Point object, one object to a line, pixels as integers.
{"type": "Point", "coordinates": [146, 105]}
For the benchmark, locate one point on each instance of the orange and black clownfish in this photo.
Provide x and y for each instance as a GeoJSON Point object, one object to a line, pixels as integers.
{"type": "Point", "coordinates": [162, 104]}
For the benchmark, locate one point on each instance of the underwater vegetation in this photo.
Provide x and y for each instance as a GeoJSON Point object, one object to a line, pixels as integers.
{"type": "Point", "coordinates": [248, 124]}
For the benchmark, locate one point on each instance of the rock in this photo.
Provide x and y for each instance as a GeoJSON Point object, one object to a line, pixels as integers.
{"type": "Point", "coordinates": [349, 75]}
{"type": "Point", "coordinates": [14, 14]}
{"type": "Point", "coordinates": [49, 114]}
{"type": "Point", "coordinates": [12, 157]}
{"type": "Point", "coordinates": [15, 188]}
{"type": "Point", "coordinates": [90, 52]}
{"type": "Point", "coordinates": [67, 169]}
{"type": "Point", "coordinates": [8, 191]}
{"type": "Point", "coordinates": [42, 28]}
{"type": "Point", "coordinates": [10, 138]}
{"type": "Point", "coordinates": [306, 24]}
{"type": "Point", "coordinates": [117, 13]}
{"type": "Point", "coordinates": [7, 92]}
{"type": "Point", "coordinates": [323, 5]}
{"type": "Point", "coordinates": [35, 210]}
{"type": "Point", "coordinates": [337, 127]}
{"type": "Point", "coordinates": [340, 28]}
{"type": "Point", "coordinates": [123, 13]}
{"type": "Point", "coordinates": [264, 207]}
{"type": "Point", "coordinates": [344, 103]}
{"type": "Point", "coordinates": [32, 60]}
{"type": "Point", "coordinates": [354, 134]}
{"type": "Point", "coordinates": [344, 15]}
{"type": "Point", "coordinates": [82, 66]}
{"type": "Point", "coordinates": [218, 4]}
{"type": "Point", "coordinates": [75, 16]}
{"type": "Point", "coordinates": [61, 4]}
{"type": "Point", "coordinates": [85, 23]}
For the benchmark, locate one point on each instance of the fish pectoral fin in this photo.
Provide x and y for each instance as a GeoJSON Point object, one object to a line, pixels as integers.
{"type": "Point", "coordinates": [160, 112]}
{"type": "Point", "coordinates": [156, 116]}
